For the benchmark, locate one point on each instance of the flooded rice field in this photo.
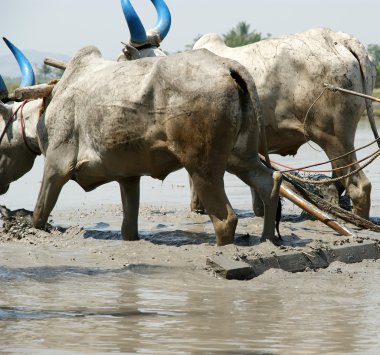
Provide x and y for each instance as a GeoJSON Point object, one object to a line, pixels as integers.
{"type": "Point", "coordinates": [87, 291]}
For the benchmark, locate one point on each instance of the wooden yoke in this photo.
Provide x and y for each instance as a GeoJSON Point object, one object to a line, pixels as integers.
{"type": "Point", "coordinates": [32, 92]}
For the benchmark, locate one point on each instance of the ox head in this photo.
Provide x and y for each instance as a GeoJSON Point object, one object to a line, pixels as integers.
{"type": "Point", "coordinates": [12, 164]}
{"type": "Point", "coordinates": [145, 43]}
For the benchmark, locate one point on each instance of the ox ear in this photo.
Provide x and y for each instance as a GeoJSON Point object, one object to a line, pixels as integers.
{"type": "Point", "coordinates": [4, 111]}
{"type": "Point", "coordinates": [3, 89]}
{"type": "Point", "coordinates": [136, 28]}
{"type": "Point", "coordinates": [157, 34]}
{"type": "Point", "coordinates": [131, 53]}
{"type": "Point", "coordinates": [27, 73]}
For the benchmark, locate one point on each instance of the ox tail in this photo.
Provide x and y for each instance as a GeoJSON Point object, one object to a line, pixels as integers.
{"type": "Point", "coordinates": [368, 72]}
{"type": "Point", "coordinates": [246, 83]}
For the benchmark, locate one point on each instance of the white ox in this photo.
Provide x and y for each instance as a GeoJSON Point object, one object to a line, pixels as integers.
{"type": "Point", "coordinates": [116, 121]}
{"type": "Point", "coordinates": [18, 148]}
{"type": "Point", "coordinates": [290, 73]}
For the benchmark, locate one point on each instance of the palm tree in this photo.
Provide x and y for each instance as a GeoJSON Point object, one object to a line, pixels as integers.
{"type": "Point", "coordinates": [241, 35]}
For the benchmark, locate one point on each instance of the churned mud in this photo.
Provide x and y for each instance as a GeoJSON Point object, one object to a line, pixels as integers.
{"type": "Point", "coordinates": [172, 237]}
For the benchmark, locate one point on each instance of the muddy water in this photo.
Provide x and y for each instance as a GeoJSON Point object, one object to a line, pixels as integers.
{"type": "Point", "coordinates": [161, 311]}
{"type": "Point", "coordinates": [67, 308]}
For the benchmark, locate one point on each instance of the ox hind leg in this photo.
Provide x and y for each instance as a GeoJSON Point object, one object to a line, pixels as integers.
{"type": "Point", "coordinates": [266, 186]}
{"type": "Point", "coordinates": [210, 188]}
{"type": "Point", "coordinates": [212, 195]}
{"type": "Point", "coordinates": [130, 197]}
{"type": "Point", "coordinates": [357, 185]}
{"type": "Point", "coordinates": [56, 174]}
{"type": "Point", "coordinates": [257, 204]}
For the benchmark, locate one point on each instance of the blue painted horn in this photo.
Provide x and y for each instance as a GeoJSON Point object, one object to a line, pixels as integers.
{"type": "Point", "coordinates": [3, 89]}
{"type": "Point", "coordinates": [136, 28]}
{"type": "Point", "coordinates": [27, 73]}
{"type": "Point", "coordinates": [162, 25]}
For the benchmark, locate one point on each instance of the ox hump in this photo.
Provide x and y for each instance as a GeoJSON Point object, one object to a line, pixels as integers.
{"type": "Point", "coordinates": [209, 40]}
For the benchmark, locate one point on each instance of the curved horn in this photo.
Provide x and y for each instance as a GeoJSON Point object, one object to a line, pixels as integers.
{"type": "Point", "coordinates": [136, 28]}
{"type": "Point", "coordinates": [27, 73]}
{"type": "Point", "coordinates": [3, 89]}
{"type": "Point", "coordinates": [162, 25]}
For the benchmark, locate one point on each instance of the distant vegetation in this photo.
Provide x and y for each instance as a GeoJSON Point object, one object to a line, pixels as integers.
{"type": "Point", "coordinates": [376, 106]}
{"type": "Point", "coordinates": [374, 51]}
{"type": "Point", "coordinates": [46, 73]}
{"type": "Point", "coordinates": [241, 35]}
{"type": "Point", "coordinates": [43, 73]}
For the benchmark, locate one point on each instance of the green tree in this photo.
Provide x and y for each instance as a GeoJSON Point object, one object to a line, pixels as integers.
{"type": "Point", "coordinates": [374, 51]}
{"type": "Point", "coordinates": [241, 35]}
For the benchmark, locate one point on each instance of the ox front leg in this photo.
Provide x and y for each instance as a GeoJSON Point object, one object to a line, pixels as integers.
{"type": "Point", "coordinates": [195, 203]}
{"type": "Point", "coordinates": [52, 182]}
{"type": "Point", "coordinates": [130, 197]}
{"type": "Point", "coordinates": [212, 195]}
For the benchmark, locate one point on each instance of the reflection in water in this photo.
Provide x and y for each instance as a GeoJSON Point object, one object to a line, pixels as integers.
{"type": "Point", "coordinates": [165, 311]}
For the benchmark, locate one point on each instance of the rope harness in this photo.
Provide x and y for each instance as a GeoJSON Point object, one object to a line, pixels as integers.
{"type": "Point", "coordinates": [22, 126]}
{"type": "Point", "coordinates": [371, 157]}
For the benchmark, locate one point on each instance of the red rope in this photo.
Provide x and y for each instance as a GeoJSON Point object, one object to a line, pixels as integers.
{"type": "Point", "coordinates": [10, 119]}
{"type": "Point", "coordinates": [304, 168]}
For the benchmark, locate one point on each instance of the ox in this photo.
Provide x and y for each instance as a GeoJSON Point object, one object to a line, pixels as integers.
{"type": "Point", "coordinates": [18, 143]}
{"type": "Point", "coordinates": [117, 121]}
{"type": "Point", "coordinates": [290, 72]}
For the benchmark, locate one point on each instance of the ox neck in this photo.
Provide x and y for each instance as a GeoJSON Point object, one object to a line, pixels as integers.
{"type": "Point", "coordinates": [26, 116]}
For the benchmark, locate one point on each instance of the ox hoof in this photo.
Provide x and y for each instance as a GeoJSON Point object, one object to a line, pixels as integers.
{"type": "Point", "coordinates": [224, 241]}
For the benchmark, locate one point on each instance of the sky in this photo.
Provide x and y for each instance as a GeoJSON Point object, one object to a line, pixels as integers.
{"type": "Point", "coordinates": [66, 26]}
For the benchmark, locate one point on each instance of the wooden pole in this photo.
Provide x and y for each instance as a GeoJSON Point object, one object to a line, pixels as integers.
{"type": "Point", "coordinates": [335, 210]}
{"type": "Point", "coordinates": [33, 92]}
{"type": "Point", "coordinates": [287, 192]}
{"type": "Point", "coordinates": [55, 63]}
